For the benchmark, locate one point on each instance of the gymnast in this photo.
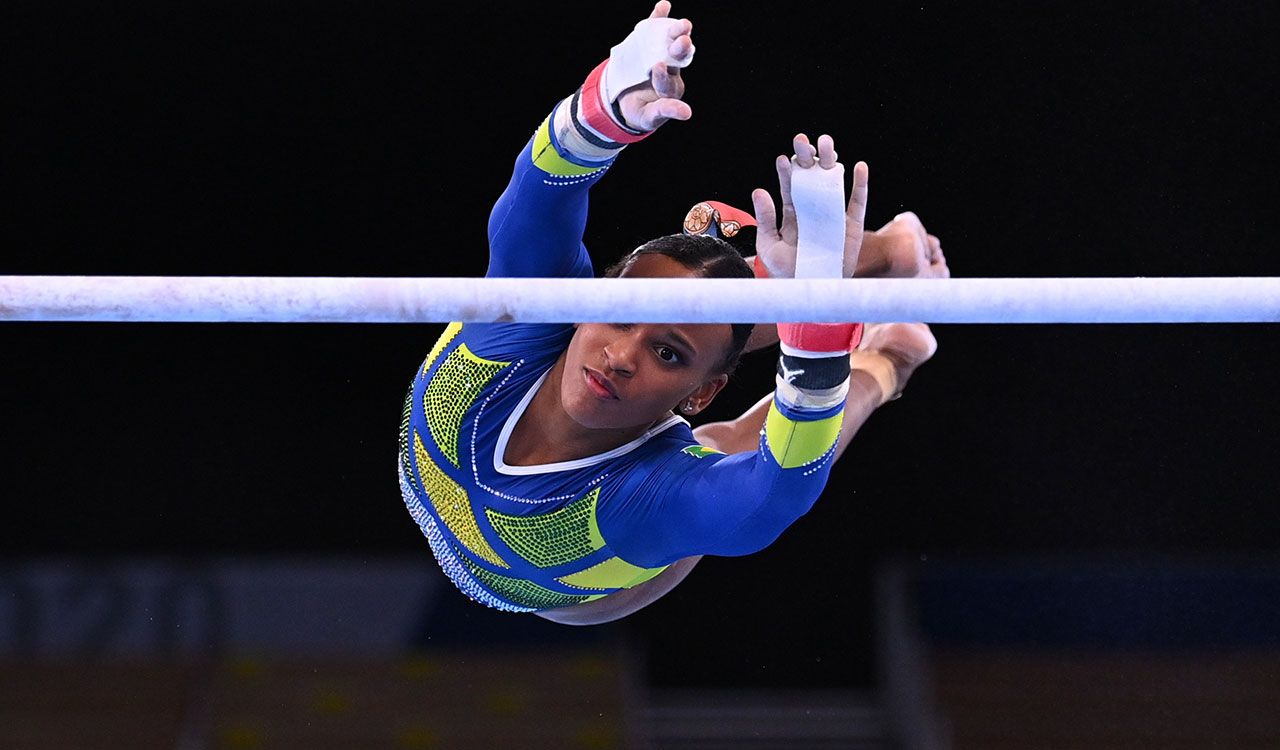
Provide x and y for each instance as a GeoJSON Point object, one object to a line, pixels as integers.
{"type": "Point", "coordinates": [551, 466]}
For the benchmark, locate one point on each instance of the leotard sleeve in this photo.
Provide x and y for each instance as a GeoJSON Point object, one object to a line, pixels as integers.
{"type": "Point", "coordinates": [694, 501]}
{"type": "Point", "coordinates": [536, 227]}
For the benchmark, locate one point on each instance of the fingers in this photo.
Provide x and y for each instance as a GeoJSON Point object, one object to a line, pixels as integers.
{"type": "Point", "coordinates": [938, 262]}
{"type": "Point", "coordinates": [655, 113]}
{"type": "Point", "coordinates": [681, 47]}
{"type": "Point", "coordinates": [826, 152]}
{"type": "Point", "coordinates": [666, 81]}
{"type": "Point", "coordinates": [804, 151]}
{"type": "Point", "coordinates": [806, 154]}
{"type": "Point", "coordinates": [931, 342]}
{"type": "Point", "coordinates": [856, 213]}
{"type": "Point", "coordinates": [766, 214]}
{"type": "Point", "coordinates": [783, 166]}
{"type": "Point", "coordinates": [935, 262]}
{"type": "Point", "coordinates": [673, 109]}
{"type": "Point", "coordinates": [668, 86]}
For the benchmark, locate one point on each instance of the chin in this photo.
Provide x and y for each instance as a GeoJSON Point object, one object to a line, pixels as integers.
{"type": "Point", "coordinates": [594, 414]}
{"type": "Point", "coordinates": [586, 410]}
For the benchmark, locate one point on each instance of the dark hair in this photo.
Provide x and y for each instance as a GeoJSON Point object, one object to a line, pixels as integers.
{"type": "Point", "coordinates": [712, 258]}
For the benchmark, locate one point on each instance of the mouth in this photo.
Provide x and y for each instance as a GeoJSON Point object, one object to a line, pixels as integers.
{"type": "Point", "coordinates": [599, 385]}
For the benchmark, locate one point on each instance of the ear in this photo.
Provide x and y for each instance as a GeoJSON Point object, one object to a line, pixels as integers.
{"type": "Point", "coordinates": [702, 396]}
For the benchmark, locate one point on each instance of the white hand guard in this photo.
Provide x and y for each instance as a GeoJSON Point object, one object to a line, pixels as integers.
{"type": "Point", "coordinates": [631, 60]}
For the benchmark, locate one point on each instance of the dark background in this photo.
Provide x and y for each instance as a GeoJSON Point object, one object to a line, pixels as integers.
{"type": "Point", "coordinates": [357, 139]}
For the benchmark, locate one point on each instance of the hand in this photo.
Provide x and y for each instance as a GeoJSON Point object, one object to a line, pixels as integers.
{"type": "Point", "coordinates": [905, 346]}
{"type": "Point", "coordinates": [903, 249]}
{"type": "Point", "coordinates": [776, 245]}
{"type": "Point", "coordinates": [648, 105]}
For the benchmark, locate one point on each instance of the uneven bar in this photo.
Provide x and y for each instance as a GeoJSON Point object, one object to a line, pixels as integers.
{"type": "Point", "coordinates": [245, 299]}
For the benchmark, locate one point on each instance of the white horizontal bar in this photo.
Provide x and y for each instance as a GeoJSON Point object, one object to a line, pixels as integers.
{"type": "Point", "coordinates": [437, 300]}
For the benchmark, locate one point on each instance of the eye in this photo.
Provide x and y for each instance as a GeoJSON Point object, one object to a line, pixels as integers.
{"type": "Point", "coordinates": [667, 354]}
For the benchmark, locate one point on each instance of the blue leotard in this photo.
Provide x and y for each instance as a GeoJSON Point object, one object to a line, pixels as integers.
{"type": "Point", "coordinates": [525, 538]}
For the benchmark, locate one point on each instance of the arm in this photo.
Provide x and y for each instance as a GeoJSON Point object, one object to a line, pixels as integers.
{"type": "Point", "coordinates": [737, 504]}
{"type": "Point", "coordinates": [719, 492]}
{"type": "Point", "coordinates": [697, 504]}
{"type": "Point", "coordinates": [536, 227]}
{"type": "Point", "coordinates": [743, 435]}
{"type": "Point", "coordinates": [886, 358]}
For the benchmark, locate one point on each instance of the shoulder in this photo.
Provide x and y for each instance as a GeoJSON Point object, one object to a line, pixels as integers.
{"type": "Point", "coordinates": [675, 451]}
{"type": "Point", "coordinates": [511, 341]}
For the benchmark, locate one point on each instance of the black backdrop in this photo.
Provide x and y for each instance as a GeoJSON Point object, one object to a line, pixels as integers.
{"type": "Point", "coordinates": [354, 139]}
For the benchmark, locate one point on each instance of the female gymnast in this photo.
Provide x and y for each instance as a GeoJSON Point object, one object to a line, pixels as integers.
{"type": "Point", "coordinates": [550, 466]}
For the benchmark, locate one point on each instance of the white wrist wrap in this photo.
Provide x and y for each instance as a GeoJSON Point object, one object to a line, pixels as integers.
{"type": "Point", "coordinates": [631, 60]}
{"type": "Point", "coordinates": [571, 141]}
{"type": "Point", "coordinates": [818, 195]}
{"type": "Point", "coordinates": [801, 398]}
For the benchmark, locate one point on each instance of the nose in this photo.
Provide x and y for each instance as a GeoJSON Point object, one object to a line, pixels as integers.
{"type": "Point", "coordinates": [620, 355]}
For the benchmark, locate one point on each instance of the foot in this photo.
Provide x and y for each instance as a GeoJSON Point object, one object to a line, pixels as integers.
{"type": "Point", "coordinates": [903, 249]}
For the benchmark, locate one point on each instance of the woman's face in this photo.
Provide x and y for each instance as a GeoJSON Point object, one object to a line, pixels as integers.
{"type": "Point", "coordinates": [619, 376]}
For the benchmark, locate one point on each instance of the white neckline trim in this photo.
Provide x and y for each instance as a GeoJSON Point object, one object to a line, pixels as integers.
{"type": "Point", "coordinates": [500, 450]}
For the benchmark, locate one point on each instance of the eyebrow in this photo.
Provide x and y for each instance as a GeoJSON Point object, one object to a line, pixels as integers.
{"type": "Point", "coordinates": [682, 341]}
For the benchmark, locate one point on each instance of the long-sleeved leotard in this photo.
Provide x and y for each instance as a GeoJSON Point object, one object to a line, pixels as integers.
{"type": "Point", "coordinates": [526, 538]}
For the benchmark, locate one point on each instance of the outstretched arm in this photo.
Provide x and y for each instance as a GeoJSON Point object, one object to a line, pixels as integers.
{"type": "Point", "coordinates": [888, 353]}
{"type": "Point", "coordinates": [536, 227]}
{"type": "Point", "coordinates": [701, 504]}
{"type": "Point", "coordinates": [887, 357]}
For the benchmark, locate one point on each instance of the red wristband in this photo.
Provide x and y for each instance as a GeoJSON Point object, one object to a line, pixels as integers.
{"type": "Point", "coordinates": [821, 337]}
{"type": "Point", "coordinates": [594, 110]}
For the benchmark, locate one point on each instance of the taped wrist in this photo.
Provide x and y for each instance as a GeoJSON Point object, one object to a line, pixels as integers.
{"type": "Point", "coordinates": [818, 197]}
{"type": "Point", "coordinates": [812, 382]}
{"type": "Point", "coordinates": [569, 136]}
